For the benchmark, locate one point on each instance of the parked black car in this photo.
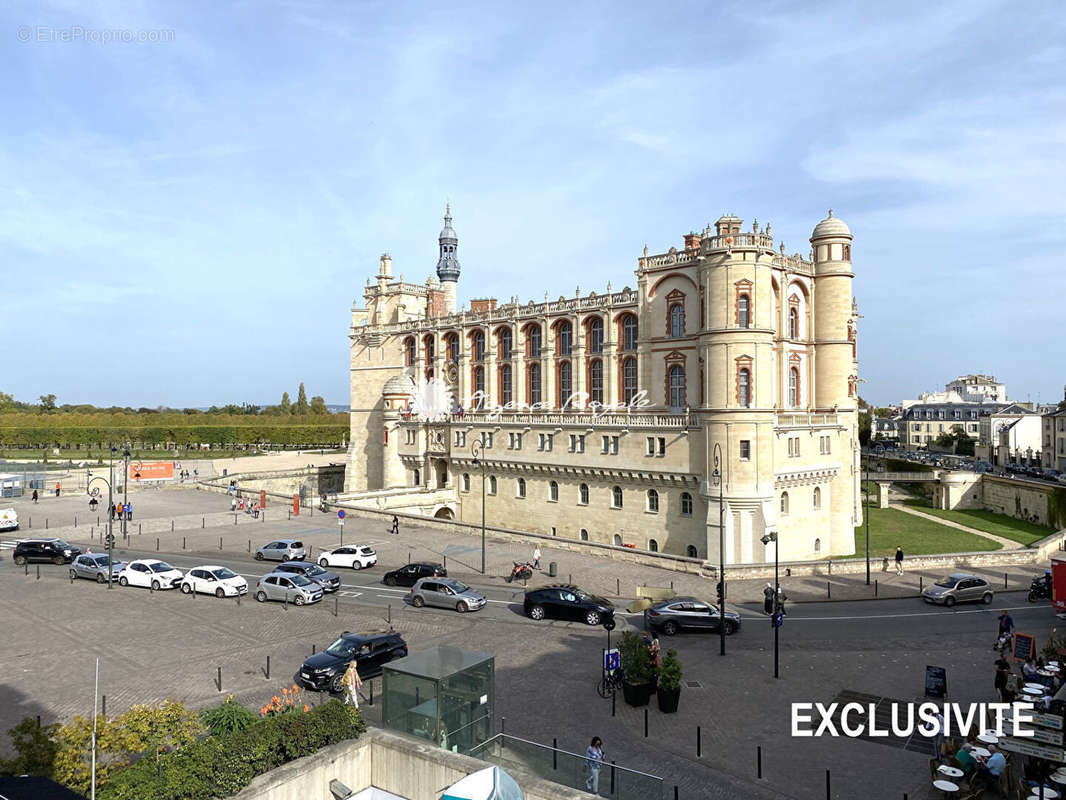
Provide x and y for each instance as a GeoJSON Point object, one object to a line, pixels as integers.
{"type": "Point", "coordinates": [409, 575]}
{"type": "Point", "coordinates": [54, 550]}
{"type": "Point", "coordinates": [563, 601]}
{"type": "Point", "coordinates": [329, 581]}
{"type": "Point", "coordinates": [690, 614]}
{"type": "Point", "coordinates": [370, 651]}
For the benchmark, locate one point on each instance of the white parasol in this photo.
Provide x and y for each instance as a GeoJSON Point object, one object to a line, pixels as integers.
{"type": "Point", "coordinates": [491, 783]}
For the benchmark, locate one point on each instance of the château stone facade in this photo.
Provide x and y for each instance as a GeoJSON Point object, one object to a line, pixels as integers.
{"type": "Point", "coordinates": [599, 414]}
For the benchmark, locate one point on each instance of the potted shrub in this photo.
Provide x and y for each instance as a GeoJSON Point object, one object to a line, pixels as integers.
{"type": "Point", "coordinates": [637, 669]}
{"type": "Point", "coordinates": [669, 691]}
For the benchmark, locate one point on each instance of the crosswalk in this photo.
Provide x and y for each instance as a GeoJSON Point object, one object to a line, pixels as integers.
{"type": "Point", "coordinates": [8, 544]}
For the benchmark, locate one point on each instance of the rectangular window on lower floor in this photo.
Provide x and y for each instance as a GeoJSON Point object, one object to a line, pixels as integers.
{"type": "Point", "coordinates": [662, 446]}
{"type": "Point", "coordinates": [745, 449]}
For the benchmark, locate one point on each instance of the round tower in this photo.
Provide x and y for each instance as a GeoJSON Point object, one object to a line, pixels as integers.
{"type": "Point", "coordinates": [395, 394]}
{"type": "Point", "coordinates": [448, 263]}
{"type": "Point", "coordinates": [833, 322]}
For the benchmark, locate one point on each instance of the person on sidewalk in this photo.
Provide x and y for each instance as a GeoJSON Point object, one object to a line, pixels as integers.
{"type": "Point", "coordinates": [593, 764]}
{"type": "Point", "coordinates": [35, 497]}
{"type": "Point", "coordinates": [352, 682]}
{"type": "Point", "coordinates": [1002, 667]}
{"type": "Point", "coordinates": [233, 504]}
{"type": "Point", "coordinates": [536, 556]}
{"type": "Point", "coordinates": [899, 560]}
{"type": "Point", "coordinates": [129, 511]}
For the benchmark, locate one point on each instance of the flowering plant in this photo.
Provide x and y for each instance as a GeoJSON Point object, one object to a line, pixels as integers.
{"type": "Point", "coordinates": [290, 702]}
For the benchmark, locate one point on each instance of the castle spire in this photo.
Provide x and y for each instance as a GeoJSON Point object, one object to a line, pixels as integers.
{"type": "Point", "coordinates": [448, 263]}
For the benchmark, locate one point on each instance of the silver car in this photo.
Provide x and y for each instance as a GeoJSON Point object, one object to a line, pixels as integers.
{"type": "Point", "coordinates": [959, 588]}
{"type": "Point", "coordinates": [287, 588]}
{"type": "Point", "coordinates": [445, 593]}
{"type": "Point", "coordinates": [94, 567]}
{"type": "Point", "coordinates": [281, 550]}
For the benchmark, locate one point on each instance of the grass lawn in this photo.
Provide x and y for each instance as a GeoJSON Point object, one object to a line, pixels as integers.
{"type": "Point", "coordinates": [891, 528]}
{"type": "Point", "coordinates": [1017, 530]}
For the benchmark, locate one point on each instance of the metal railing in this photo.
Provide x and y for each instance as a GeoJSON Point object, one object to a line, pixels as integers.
{"type": "Point", "coordinates": [569, 769]}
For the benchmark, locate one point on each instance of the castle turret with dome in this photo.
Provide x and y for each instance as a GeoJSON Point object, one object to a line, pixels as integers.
{"type": "Point", "coordinates": [448, 263]}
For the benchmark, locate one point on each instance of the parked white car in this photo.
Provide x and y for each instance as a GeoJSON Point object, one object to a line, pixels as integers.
{"type": "Point", "coordinates": [355, 556]}
{"type": "Point", "coordinates": [216, 580]}
{"type": "Point", "coordinates": [150, 573]}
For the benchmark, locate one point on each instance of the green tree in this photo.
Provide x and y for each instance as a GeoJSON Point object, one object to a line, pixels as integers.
{"type": "Point", "coordinates": [301, 401]}
{"type": "Point", "coordinates": [6, 401]}
{"type": "Point", "coordinates": [35, 749]}
{"type": "Point", "coordinates": [48, 402]}
{"type": "Point", "coordinates": [865, 423]}
{"type": "Point", "coordinates": [286, 403]}
{"type": "Point", "coordinates": [318, 405]}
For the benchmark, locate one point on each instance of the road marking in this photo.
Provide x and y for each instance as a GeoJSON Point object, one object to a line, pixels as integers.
{"type": "Point", "coordinates": [890, 616]}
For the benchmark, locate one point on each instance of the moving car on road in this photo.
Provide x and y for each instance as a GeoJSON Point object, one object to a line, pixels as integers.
{"type": "Point", "coordinates": [281, 550]}
{"type": "Point", "coordinates": [216, 580]}
{"type": "Point", "coordinates": [150, 573]}
{"type": "Point", "coordinates": [409, 575]}
{"type": "Point", "coordinates": [690, 614]}
{"type": "Point", "coordinates": [959, 588]}
{"type": "Point", "coordinates": [329, 581]}
{"type": "Point", "coordinates": [94, 567]}
{"type": "Point", "coordinates": [355, 556]}
{"type": "Point", "coordinates": [446, 593]}
{"type": "Point", "coordinates": [369, 651]}
{"type": "Point", "coordinates": [54, 550]}
{"type": "Point", "coordinates": [563, 601]}
{"type": "Point", "coordinates": [288, 588]}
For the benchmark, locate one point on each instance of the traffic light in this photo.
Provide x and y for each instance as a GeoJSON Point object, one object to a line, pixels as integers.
{"type": "Point", "coordinates": [781, 598]}
{"type": "Point", "coordinates": [768, 600]}
{"type": "Point", "coordinates": [718, 591]}
{"type": "Point", "coordinates": [110, 540]}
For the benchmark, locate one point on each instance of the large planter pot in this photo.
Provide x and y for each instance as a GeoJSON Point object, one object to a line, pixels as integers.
{"type": "Point", "coordinates": [637, 694]}
{"type": "Point", "coordinates": [668, 699]}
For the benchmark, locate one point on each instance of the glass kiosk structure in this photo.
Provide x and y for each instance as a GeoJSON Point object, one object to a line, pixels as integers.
{"type": "Point", "coordinates": [445, 694]}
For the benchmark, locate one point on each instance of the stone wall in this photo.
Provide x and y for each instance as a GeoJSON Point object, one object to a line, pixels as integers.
{"type": "Point", "coordinates": [1017, 498]}
{"type": "Point", "coordinates": [402, 765]}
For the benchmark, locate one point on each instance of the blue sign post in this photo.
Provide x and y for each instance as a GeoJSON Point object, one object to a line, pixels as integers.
{"type": "Point", "coordinates": [340, 514]}
{"type": "Point", "coordinates": [777, 619]}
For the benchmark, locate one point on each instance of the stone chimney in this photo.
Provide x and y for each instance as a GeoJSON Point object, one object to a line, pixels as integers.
{"type": "Point", "coordinates": [692, 240]}
{"type": "Point", "coordinates": [483, 305]}
{"type": "Point", "coordinates": [386, 266]}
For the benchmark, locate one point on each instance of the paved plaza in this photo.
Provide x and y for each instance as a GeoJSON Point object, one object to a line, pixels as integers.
{"type": "Point", "coordinates": [165, 644]}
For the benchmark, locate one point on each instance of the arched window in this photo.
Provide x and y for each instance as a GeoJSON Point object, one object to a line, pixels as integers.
{"type": "Point", "coordinates": [565, 384]}
{"type": "Point", "coordinates": [596, 381]}
{"type": "Point", "coordinates": [616, 497]}
{"type": "Point", "coordinates": [453, 346]}
{"type": "Point", "coordinates": [653, 500]}
{"type": "Point", "coordinates": [533, 341]}
{"type": "Point", "coordinates": [506, 388]}
{"type": "Point", "coordinates": [534, 383]}
{"type": "Point", "coordinates": [744, 388]}
{"type": "Point", "coordinates": [596, 335]}
{"type": "Point", "coordinates": [617, 540]}
{"type": "Point", "coordinates": [553, 492]}
{"type": "Point", "coordinates": [677, 321]}
{"type": "Point", "coordinates": [629, 379]}
{"type": "Point", "coordinates": [564, 339]}
{"type": "Point", "coordinates": [793, 323]}
{"type": "Point", "coordinates": [653, 545]}
{"type": "Point", "coordinates": [418, 478]}
{"type": "Point", "coordinates": [686, 504]}
{"type": "Point", "coordinates": [492, 484]}
{"type": "Point", "coordinates": [744, 311]}
{"type": "Point", "coordinates": [584, 535]}
{"type": "Point", "coordinates": [466, 481]}
{"type": "Point", "coordinates": [784, 502]}
{"type": "Point", "coordinates": [479, 345]}
{"type": "Point", "coordinates": [520, 489]}
{"type": "Point", "coordinates": [629, 332]}
{"type": "Point", "coordinates": [583, 494]}
{"type": "Point", "coordinates": [409, 352]}
{"type": "Point", "coordinates": [505, 343]}
{"type": "Point", "coordinates": [479, 379]}
{"type": "Point", "coordinates": [817, 545]}
{"type": "Point", "coordinates": [677, 388]}
{"type": "Point", "coordinates": [793, 387]}
{"type": "Point", "coordinates": [692, 552]}
{"type": "Point", "coordinates": [817, 497]}
{"type": "Point", "coordinates": [430, 346]}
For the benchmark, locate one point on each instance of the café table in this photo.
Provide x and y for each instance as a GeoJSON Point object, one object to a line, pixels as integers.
{"type": "Point", "coordinates": [982, 752]}
{"type": "Point", "coordinates": [1059, 779]}
{"type": "Point", "coordinates": [951, 772]}
{"type": "Point", "coordinates": [1043, 793]}
{"type": "Point", "coordinates": [1033, 691]}
{"type": "Point", "coordinates": [946, 786]}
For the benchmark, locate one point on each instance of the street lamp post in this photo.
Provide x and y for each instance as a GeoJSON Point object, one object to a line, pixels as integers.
{"type": "Point", "coordinates": [716, 480]}
{"type": "Point", "coordinates": [125, 488]}
{"type": "Point", "coordinates": [476, 449]}
{"type": "Point", "coordinates": [866, 513]}
{"type": "Point", "coordinates": [775, 619]}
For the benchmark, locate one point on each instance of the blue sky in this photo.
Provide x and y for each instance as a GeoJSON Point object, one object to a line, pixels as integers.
{"type": "Point", "coordinates": [187, 222]}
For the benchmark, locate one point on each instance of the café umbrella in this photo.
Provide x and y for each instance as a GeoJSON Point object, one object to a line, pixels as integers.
{"type": "Point", "coordinates": [491, 783]}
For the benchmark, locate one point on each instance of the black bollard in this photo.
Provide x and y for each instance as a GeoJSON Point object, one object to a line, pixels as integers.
{"type": "Point", "coordinates": [139, 529]}
{"type": "Point", "coordinates": [268, 668]}
{"type": "Point", "coordinates": [182, 542]}
{"type": "Point", "coordinates": [1004, 580]}
{"type": "Point", "coordinates": [699, 742]}
{"type": "Point", "coordinates": [371, 691]}
{"type": "Point", "coordinates": [875, 588]}
{"type": "Point", "coordinates": [38, 572]}
{"type": "Point", "coordinates": [612, 778]}
{"type": "Point", "coordinates": [336, 605]}
{"type": "Point", "coordinates": [220, 679]}
{"type": "Point", "coordinates": [313, 649]}
{"type": "Point", "coordinates": [75, 520]}
{"type": "Point", "coordinates": [249, 545]}
{"type": "Point", "coordinates": [105, 705]}
{"type": "Point", "coordinates": [645, 723]}
{"type": "Point", "coordinates": [675, 791]}
{"type": "Point", "coordinates": [390, 614]}
{"type": "Point", "coordinates": [828, 591]}
{"type": "Point", "coordinates": [921, 581]}
{"type": "Point", "coordinates": [617, 587]}
{"type": "Point", "coordinates": [758, 762]}
{"type": "Point", "coordinates": [828, 784]}
{"type": "Point", "coordinates": [613, 695]}
{"type": "Point", "coordinates": [555, 753]}
{"type": "Point", "coordinates": [219, 542]}
{"type": "Point", "coordinates": [203, 523]}
{"type": "Point", "coordinates": [157, 544]}
{"type": "Point", "coordinates": [46, 523]}
{"type": "Point", "coordinates": [446, 563]}
{"type": "Point", "coordinates": [27, 566]}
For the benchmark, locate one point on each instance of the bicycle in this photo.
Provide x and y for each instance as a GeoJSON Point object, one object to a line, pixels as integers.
{"type": "Point", "coordinates": [610, 683]}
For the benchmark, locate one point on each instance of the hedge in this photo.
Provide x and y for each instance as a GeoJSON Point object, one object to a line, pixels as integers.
{"type": "Point", "coordinates": [220, 766]}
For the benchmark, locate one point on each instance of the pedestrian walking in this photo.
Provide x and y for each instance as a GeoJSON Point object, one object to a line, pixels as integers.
{"type": "Point", "coordinates": [255, 511]}
{"type": "Point", "coordinates": [119, 510]}
{"type": "Point", "coordinates": [233, 504]}
{"type": "Point", "coordinates": [593, 764]}
{"type": "Point", "coordinates": [899, 560]}
{"type": "Point", "coordinates": [111, 511]}
{"type": "Point", "coordinates": [35, 497]}
{"type": "Point", "coordinates": [536, 557]}
{"type": "Point", "coordinates": [1002, 667]}
{"type": "Point", "coordinates": [352, 682]}
{"type": "Point", "coordinates": [935, 730]}
{"type": "Point", "coordinates": [129, 511]}
{"type": "Point", "coordinates": [57, 490]}
{"type": "Point", "coordinates": [395, 525]}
